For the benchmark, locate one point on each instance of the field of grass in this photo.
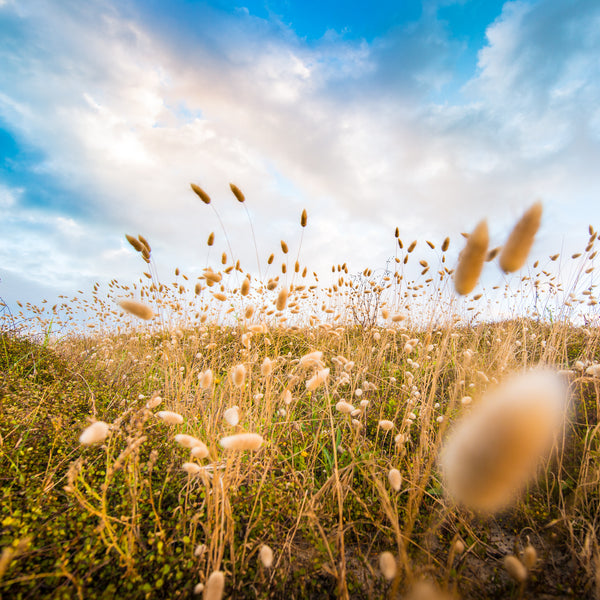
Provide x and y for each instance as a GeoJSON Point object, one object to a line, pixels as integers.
{"type": "Point", "coordinates": [310, 511]}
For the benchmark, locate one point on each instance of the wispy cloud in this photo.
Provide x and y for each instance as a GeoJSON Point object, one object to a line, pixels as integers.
{"type": "Point", "coordinates": [125, 113]}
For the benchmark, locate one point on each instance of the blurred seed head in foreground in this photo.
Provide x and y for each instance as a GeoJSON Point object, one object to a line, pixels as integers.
{"type": "Point", "coordinates": [515, 251]}
{"type": "Point", "coordinates": [471, 259]}
{"type": "Point", "coordinates": [494, 451]}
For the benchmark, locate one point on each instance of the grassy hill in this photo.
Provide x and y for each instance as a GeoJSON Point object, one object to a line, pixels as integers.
{"type": "Point", "coordinates": [122, 518]}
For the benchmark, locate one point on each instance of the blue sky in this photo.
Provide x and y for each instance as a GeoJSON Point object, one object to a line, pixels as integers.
{"type": "Point", "coordinates": [423, 115]}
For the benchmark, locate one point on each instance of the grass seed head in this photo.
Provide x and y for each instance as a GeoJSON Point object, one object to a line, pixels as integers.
{"type": "Point", "coordinates": [170, 417]}
{"type": "Point", "coordinates": [242, 441]}
{"type": "Point", "coordinates": [303, 218]}
{"type": "Point", "coordinates": [471, 259]}
{"type": "Point", "coordinates": [96, 432]}
{"type": "Point", "coordinates": [282, 299]}
{"type": "Point", "coordinates": [344, 407]}
{"type": "Point", "coordinates": [529, 557]}
{"type": "Point", "coordinates": [494, 450]}
{"type": "Point", "coordinates": [153, 402]}
{"type": "Point", "coordinates": [137, 309]}
{"type": "Point", "coordinates": [232, 416]}
{"type": "Point", "coordinates": [267, 367]}
{"type": "Point", "coordinates": [317, 379]}
{"type": "Point", "coordinates": [266, 556]}
{"type": "Point", "coordinates": [312, 359]}
{"type": "Point", "coordinates": [191, 468]}
{"type": "Point", "coordinates": [205, 379]}
{"type": "Point", "coordinates": [425, 590]}
{"type": "Point", "coordinates": [215, 584]}
{"type": "Point", "coordinates": [395, 479]}
{"type": "Point", "coordinates": [134, 242]}
{"type": "Point", "coordinates": [515, 568]}
{"type": "Point", "coordinates": [238, 375]}
{"type": "Point", "coordinates": [201, 193]}
{"type": "Point", "coordinates": [386, 425]}
{"type": "Point", "coordinates": [200, 450]}
{"type": "Point", "coordinates": [517, 247]}
{"type": "Point", "coordinates": [245, 288]}
{"type": "Point", "coordinates": [187, 441]}
{"type": "Point", "coordinates": [237, 192]}
{"type": "Point", "coordinates": [387, 565]}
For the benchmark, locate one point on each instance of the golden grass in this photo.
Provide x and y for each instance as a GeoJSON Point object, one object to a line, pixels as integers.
{"type": "Point", "coordinates": [367, 437]}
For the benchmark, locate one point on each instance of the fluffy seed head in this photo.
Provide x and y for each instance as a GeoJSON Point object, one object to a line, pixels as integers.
{"type": "Point", "coordinates": [191, 468]}
{"type": "Point", "coordinates": [144, 241]}
{"type": "Point", "coordinates": [517, 247]}
{"type": "Point", "coordinates": [515, 568]}
{"type": "Point", "coordinates": [267, 367]}
{"type": "Point", "coordinates": [96, 432]}
{"type": "Point", "coordinates": [232, 416]}
{"type": "Point", "coordinates": [245, 287]}
{"type": "Point", "coordinates": [137, 309]}
{"type": "Point", "coordinates": [170, 417]}
{"type": "Point", "coordinates": [312, 359]}
{"type": "Point", "coordinates": [266, 556]}
{"type": "Point", "coordinates": [238, 375]}
{"type": "Point", "coordinates": [593, 370]}
{"type": "Point", "coordinates": [134, 242]}
{"type": "Point", "coordinates": [425, 590]}
{"type": "Point", "coordinates": [317, 379]}
{"type": "Point", "coordinates": [242, 441]}
{"type": "Point", "coordinates": [471, 259]}
{"type": "Point", "coordinates": [395, 479]}
{"type": "Point", "coordinates": [303, 218]}
{"type": "Point", "coordinates": [387, 565]}
{"type": "Point", "coordinates": [529, 557]}
{"type": "Point", "coordinates": [491, 255]}
{"type": "Point", "coordinates": [201, 193]}
{"type": "Point", "coordinates": [237, 192]}
{"type": "Point", "coordinates": [205, 379]}
{"type": "Point", "coordinates": [344, 407]}
{"type": "Point", "coordinates": [200, 450]}
{"type": "Point", "coordinates": [215, 584]}
{"type": "Point", "coordinates": [187, 441]}
{"type": "Point", "coordinates": [386, 425]}
{"type": "Point", "coordinates": [282, 299]}
{"type": "Point", "coordinates": [153, 402]}
{"type": "Point", "coordinates": [494, 451]}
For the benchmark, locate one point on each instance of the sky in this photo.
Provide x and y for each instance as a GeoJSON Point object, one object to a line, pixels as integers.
{"type": "Point", "coordinates": [426, 116]}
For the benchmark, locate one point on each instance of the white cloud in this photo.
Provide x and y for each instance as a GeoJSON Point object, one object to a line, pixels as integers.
{"type": "Point", "coordinates": [9, 196]}
{"type": "Point", "coordinates": [127, 116]}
